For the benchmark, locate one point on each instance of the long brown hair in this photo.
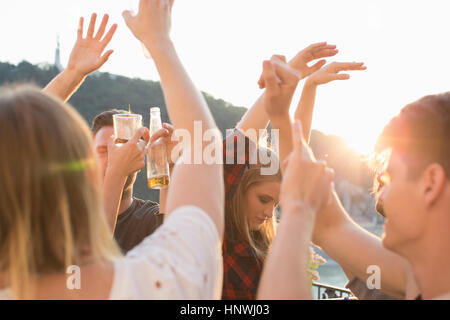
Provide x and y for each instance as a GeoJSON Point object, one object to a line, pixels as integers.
{"type": "Point", "coordinates": [261, 239]}
{"type": "Point", "coordinates": [51, 213]}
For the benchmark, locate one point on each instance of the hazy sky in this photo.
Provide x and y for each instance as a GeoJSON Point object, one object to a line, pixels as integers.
{"type": "Point", "coordinates": [405, 45]}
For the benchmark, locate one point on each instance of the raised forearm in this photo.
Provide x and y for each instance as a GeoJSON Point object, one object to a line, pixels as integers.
{"type": "Point", "coordinates": [356, 249]}
{"type": "Point", "coordinates": [305, 108]}
{"type": "Point", "coordinates": [285, 271]}
{"type": "Point", "coordinates": [283, 125]}
{"type": "Point", "coordinates": [112, 194]}
{"type": "Point", "coordinates": [65, 84]}
{"type": "Point", "coordinates": [255, 118]}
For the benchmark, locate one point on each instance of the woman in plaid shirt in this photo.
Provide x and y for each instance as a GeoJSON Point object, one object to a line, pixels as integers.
{"type": "Point", "coordinates": [249, 219]}
{"type": "Point", "coordinates": [251, 197]}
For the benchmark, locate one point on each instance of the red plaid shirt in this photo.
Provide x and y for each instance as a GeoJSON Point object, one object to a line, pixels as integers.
{"type": "Point", "coordinates": [242, 268]}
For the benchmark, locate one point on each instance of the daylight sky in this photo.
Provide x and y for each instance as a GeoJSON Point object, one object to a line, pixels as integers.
{"type": "Point", "coordinates": [405, 45]}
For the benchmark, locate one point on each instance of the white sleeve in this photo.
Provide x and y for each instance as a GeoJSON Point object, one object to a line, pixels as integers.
{"type": "Point", "coordinates": [181, 260]}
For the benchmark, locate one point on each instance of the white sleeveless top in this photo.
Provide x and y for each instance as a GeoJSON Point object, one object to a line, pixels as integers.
{"type": "Point", "coordinates": [181, 260]}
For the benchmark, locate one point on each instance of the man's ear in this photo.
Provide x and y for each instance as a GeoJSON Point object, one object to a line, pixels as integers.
{"type": "Point", "coordinates": [433, 183]}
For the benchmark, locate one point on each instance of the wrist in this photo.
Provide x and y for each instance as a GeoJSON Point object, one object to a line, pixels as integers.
{"type": "Point", "coordinates": [280, 119]}
{"type": "Point", "coordinates": [74, 74]}
{"type": "Point", "coordinates": [310, 84]}
{"type": "Point", "coordinates": [158, 47]}
{"type": "Point", "coordinates": [116, 173]}
{"type": "Point", "coordinates": [298, 208]}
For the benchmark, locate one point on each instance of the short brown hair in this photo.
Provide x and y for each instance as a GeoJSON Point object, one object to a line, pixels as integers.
{"type": "Point", "coordinates": [421, 131]}
{"type": "Point", "coordinates": [104, 119]}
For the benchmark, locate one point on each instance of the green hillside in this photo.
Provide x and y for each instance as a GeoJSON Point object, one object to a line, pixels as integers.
{"type": "Point", "coordinates": [103, 91]}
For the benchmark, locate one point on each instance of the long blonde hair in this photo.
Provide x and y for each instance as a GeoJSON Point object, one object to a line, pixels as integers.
{"type": "Point", "coordinates": [51, 214]}
{"type": "Point", "coordinates": [260, 240]}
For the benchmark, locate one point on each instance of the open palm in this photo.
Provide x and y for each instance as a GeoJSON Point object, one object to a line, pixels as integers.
{"type": "Point", "coordinates": [331, 72]}
{"type": "Point", "coordinates": [87, 55]}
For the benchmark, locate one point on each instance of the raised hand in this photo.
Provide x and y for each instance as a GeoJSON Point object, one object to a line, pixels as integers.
{"type": "Point", "coordinates": [301, 60]}
{"type": "Point", "coordinates": [280, 81]}
{"type": "Point", "coordinates": [152, 23]}
{"type": "Point", "coordinates": [166, 135]}
{"type": "Point", "coordinates": [331, 72]}
{"type": "Point", "coordinates": [326, 74]}
{"type": "Point", "coordinates": [313, 52]}
{"type": "Point", "coordinates": [306, 182]}
{"type": "Point", "coordinates": [87, 55]}
{"type": "Point", "coordinates": [129, 157]}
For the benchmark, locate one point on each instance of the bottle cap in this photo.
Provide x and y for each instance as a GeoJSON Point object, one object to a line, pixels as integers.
{"type": "Point", "coordinates": [155, 110]}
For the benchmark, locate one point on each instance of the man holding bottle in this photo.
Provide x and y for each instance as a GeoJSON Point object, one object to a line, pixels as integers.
{"type": "Point", "coordinates": [136, 218]}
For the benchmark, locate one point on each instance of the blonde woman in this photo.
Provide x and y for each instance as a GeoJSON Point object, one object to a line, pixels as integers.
{"type": "Point", "coordinates": [51, 216]}
{"type": "Point", "coordinates": [251, 197]}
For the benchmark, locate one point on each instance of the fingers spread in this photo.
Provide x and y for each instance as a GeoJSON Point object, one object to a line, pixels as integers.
{"type": "Point", "coordinates": [109, 35]}
{"type": "Point", "coordinates": [80, 28]}
{"type": "Point", "coordinates": [105, 57]}
{"type": "Point", "coordinates": [317, 65]}
{"type": "Point", "coordinates": [341, 66]}
{"type": "Point", "coordinates": [101, 30]}
{"type": "Point", "coordinates": [91, 28]}
{"type": "Point", "coordinates": [324, 52]}
{"type": "Point", "coordinates": [314, 46]}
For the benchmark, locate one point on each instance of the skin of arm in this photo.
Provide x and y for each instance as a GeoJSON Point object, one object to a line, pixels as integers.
{"type": "Point", "coordinates": [185, 104]}
{"type": "Point", "coordinates": [304, 190]}
{"type": "Point", "coordinates": [86, 57]}
{"type": "Point", "coordinates": [280, 82]}
{"type": "Point", "coordinates": [122, 161]}
{"type": "Point", "coordinates": [356, 249]}
{"type": "Point", "coordinates": [289, 256]}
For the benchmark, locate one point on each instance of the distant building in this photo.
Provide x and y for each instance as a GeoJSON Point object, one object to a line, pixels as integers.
{"type": "Point", "coordinates": [57, 63]}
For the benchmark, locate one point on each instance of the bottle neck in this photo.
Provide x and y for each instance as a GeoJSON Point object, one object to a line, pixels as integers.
{"type": "Point", "coordinates": [155, 123]}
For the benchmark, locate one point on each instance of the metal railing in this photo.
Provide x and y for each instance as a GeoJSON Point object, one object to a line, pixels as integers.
{"type": "Point", "coordinates": [327, 292]}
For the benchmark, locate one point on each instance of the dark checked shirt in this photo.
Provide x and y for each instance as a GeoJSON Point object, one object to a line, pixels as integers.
{"type": "Point", "coordinates": [242, 268]}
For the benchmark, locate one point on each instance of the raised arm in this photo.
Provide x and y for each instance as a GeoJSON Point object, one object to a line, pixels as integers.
{"type": "Point", "coordinates": [255, 117]}
{"type": "Point", "coordinates": [280, 82]}
{"type": "Point", "coordinates": [356, 249]}
{"type": "Point", "coordinates": [86, 57]}
{"type": "Point", "coordinates": [330, 72]}
{"type": "Point", "coordinates": [122, 162]}
{"type": "Point", "coordinates": [185, 105]}
{"type": "Point", "coordinates": [304, 190]}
